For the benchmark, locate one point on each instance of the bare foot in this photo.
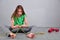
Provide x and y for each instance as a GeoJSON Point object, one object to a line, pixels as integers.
{"type": "Point", "coordinates": [12, 35]}
{"type": "Point", "coordinates": [30, 35]}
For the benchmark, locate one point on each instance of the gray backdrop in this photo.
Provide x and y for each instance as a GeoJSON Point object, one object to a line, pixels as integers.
{"type": "Point", "coordinates": [42, 13]}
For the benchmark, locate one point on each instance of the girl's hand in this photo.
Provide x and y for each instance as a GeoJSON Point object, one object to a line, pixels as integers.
{"type": "Point", "coordinates": [13, 27]}
{"type": "Point", "coordinates": [17, 26]}
{"type": "Point", "coordinates": [24, 26]}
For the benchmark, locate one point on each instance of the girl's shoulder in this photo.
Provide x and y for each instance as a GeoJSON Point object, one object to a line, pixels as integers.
{"type": "Point", "coordinates": [24, 15]}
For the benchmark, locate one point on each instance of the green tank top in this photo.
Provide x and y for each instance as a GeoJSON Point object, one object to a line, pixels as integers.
{"type": "Point", "coordinates": [19, 20]}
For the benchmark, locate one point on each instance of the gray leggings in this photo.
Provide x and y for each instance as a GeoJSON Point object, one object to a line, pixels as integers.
{"type": "Point", "coordinates": [20, 30]}
{"type": "Point", "coordinates": [8, 30]}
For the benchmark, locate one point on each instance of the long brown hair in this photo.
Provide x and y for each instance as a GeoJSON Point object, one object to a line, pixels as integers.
{"type": "Point", "coordinates": [15, 12]}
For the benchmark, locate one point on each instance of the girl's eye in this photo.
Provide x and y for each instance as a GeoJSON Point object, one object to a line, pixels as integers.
{"type": "Point", "coordinates": [19, 11]}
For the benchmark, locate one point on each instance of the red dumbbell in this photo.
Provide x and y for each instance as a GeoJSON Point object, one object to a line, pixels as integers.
{"type": "Point", "coordinates": [56, 29]}
{"type": "Point", "coordinates": [51, 30]}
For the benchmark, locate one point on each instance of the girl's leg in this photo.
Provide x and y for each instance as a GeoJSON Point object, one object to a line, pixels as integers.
{"type": "Point", "coordinates": [17, 30]}
{"type": "Point", "coordinates": [25, 30]}
{"type": "Point", "coordinates": [21, 30]}
{"type": "Point", "coordinates": [6, 31]}
{"type": "Point", "coordinates": [14, 30]}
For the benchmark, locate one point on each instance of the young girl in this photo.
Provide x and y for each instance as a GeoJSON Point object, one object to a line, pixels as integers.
{"type": "Point", "coordinates": [19, 21]}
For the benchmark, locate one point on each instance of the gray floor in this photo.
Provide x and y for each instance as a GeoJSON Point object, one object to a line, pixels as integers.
{"type": "Point", "coordinates": [46, 36]}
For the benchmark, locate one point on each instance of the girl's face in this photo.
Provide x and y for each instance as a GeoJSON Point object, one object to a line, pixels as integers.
{"type": "Point", "coordinates": [19, 12]}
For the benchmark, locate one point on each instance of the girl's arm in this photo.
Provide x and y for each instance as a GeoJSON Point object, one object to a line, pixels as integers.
{"type": "Point", "coordinates": [12, 24]}
{"type": "Point", "coordinates": [25, 23]}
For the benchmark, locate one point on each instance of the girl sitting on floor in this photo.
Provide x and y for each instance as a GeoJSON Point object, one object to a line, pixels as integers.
{"type": "Point", "coordinates": [19, 21]}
